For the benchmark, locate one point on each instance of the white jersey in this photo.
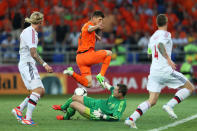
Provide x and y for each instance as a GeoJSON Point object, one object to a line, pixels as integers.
{"type": "Point", "coordinates": [159, 64]}
{"type": "Point", "coordinates": [28, 39]}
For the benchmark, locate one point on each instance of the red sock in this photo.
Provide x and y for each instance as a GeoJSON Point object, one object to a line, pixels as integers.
{"type": "Point", "coordinates": [81, 79]}
{"type": "Point", "coordinates": [105, 65]}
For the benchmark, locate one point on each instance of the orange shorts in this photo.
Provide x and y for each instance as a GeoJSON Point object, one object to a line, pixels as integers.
{"type": "Point", "coordinates": [89, 58]}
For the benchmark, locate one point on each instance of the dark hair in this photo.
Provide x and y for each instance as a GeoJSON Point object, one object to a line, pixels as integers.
{"type": "Point", "coordinates": [122, 89]}
{"type": "Point", "coordinates": [161, 20]}
{"type": "Point", "coordinates": [98, 13]}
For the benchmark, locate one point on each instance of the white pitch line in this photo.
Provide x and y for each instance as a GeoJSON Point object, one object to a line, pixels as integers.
{"type": "Point", "coordinates": [175, 123]}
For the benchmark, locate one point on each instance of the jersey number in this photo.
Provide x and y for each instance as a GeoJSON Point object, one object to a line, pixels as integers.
{"type": "Point", "coordinates": [156, 53]}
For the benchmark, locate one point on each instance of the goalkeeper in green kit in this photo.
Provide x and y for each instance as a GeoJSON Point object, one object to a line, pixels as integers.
{"type": "Point", "coordinates": [110, 109]}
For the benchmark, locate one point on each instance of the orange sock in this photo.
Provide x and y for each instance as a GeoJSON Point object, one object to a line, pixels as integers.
{"type": "Point", "coordinates": [81, 79]}
{"type": "Point", "coordinates": [105, 65]}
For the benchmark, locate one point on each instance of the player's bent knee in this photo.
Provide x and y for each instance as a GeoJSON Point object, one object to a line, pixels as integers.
{"type": "Point", "coordinates": [43, 92]}
{"type": "Point", "coordinates": [76, 98]}
{"type": "Point", "coordinates": [189, 86]}
{"type": "Point", "coordinates": [39, 90]}
{"type": "Point", "coordinates": [89, 84]}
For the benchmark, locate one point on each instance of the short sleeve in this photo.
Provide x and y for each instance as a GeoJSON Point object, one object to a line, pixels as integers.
{"type": "Point", "coordinates": [166, 38]}
{"type": "Point", "coordinates": [29, 38]}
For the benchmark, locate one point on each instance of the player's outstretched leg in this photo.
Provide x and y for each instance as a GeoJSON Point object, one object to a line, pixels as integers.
{"type": "Point", "coordinates": [180, 95]}
{"type": "Point", "coordinates": [17, 112]}
{"type": "Point", "coordinates": [105, 65]}
{"type": "Point", "coordinates": [81, 79]}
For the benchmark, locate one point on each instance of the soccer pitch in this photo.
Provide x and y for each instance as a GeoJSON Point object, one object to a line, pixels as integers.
{"type": "Point", "coordinates": [45, 117]}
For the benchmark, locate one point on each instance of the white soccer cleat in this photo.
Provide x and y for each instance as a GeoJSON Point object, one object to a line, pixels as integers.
{"type": "Point", "coordinates": [130, 123]}
{"type": "Point", "coordinates": [170, 111]}
{"type": "Point", "coordinates": [68, 71]}
{"type": "Point", "coordinates": [17, 113]}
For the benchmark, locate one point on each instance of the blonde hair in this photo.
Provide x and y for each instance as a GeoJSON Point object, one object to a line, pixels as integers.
{"type": "Point", "coordinates": [35, 18]}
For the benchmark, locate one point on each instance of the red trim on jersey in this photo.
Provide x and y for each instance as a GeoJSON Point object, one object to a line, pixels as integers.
{"type": "Point", "coordinates": [33, 36]}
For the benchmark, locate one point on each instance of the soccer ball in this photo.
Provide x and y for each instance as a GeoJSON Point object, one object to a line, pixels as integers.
{"type": "Point", "coordinates": [80, 91]}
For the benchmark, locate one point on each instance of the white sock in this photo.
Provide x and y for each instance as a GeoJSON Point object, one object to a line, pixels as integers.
{"type": "Point", "coordinates": [34, 97]}
{"type": "Point", "coordinates": [22, 106]}
{"type": "Point", "coordinates": [179, 96]}
{"type": "Point", "coordinates": [142, 108]}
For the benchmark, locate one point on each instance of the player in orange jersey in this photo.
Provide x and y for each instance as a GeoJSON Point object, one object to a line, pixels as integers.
{"type": "Point", "coordinates": [86, 54]}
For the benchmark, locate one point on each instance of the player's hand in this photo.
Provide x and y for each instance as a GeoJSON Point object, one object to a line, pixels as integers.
{"type": "Point", "coordinates": [100, 25]}
{"type": "Point", "coordinates": [106, 85]}
{"type": "Point", "coordinates": [48, 68]}
{"type": "Point", "coordinates": [98, 114]}
{"type": "Point", "coordinates": [172, 64]}
{"type": "Point", "coordinates": [98, 38]}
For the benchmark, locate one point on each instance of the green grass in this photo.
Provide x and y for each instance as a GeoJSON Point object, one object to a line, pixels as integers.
{"type": "Point", "coordinates": [45, 117]}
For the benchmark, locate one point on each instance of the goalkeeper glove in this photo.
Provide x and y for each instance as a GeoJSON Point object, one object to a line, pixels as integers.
{"type": "Point", "coordinates": [98, 114]}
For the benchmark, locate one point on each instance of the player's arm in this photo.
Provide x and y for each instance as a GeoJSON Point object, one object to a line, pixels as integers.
{"type": "Point", "coordinates": [92, 28]}
{"type": "Point", "coordinates": [98, 37]}
{"type": "Point", "coordinates": [163, 52]}
{"type": "Point", "coordinates": [107, 85]}
{"type": "Point", "coordinates": [36, 57]}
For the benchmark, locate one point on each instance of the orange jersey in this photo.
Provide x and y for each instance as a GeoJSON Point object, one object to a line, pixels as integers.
{"type": "Point", "coordinates": [86, 39]}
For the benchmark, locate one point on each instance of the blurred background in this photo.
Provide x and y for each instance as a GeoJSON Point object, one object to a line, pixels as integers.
{"type": "Point", "coordinates": [128, 26]}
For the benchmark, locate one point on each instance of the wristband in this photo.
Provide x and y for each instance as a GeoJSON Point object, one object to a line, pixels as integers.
{"type": "Point", "coordinates": [44, 64]}
{"type": "Point", "coordinates": [103, 116]}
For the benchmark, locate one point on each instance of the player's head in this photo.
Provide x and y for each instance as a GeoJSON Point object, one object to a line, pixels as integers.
{"type": "Point", "coordinates": [162, 20]}
{"type": "Point", "coordinates": [97, 17]}
{"type": "Point", "coordinates": [120, 90]}
{"type": "Point", "coordinates": [36, 18]}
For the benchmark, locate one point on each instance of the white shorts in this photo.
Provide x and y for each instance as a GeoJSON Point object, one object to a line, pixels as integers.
{"type": "Point", "coordinates": [173, 80]}
{"type": "Point", "coordinates": [30, 76]}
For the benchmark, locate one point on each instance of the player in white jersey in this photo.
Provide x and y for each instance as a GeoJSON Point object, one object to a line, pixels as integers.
{"type": "Point", "coordinates": [28, 70]}
{"type": "Point", "coordinates": [162, 73]}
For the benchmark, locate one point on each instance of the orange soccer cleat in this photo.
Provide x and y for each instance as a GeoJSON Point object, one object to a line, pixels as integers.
{"type": "Point", "coordinates": [60, 117]}
{"type": "Point", "coordinates": [56, 107]}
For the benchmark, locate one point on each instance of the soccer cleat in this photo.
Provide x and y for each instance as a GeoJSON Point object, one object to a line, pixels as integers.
{"type": "Point", "coordinates": [170, 111]}
{"type": "Point", "coordinates": [130, 123]}
{"type": "Point", "coordinates": [68, 71]}
{"type": "Point", "coordinates": [100, 78]}
{"type": "Point", "coordinates": [60, 117]}
{"type": "Point", "coordinates": [56, 107]}
{"type": "Point", "coordinates": [17, 113]}
{"type": "Point", "coordinates": [28, 122]}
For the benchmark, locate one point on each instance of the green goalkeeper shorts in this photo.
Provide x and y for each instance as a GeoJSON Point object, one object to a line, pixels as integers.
{"type": "Point", "coordinates": [91, 105]}
{"type": "Point", "coordinates": [91, 102]}
{"type": "Point", "coordinates": [88, 113]}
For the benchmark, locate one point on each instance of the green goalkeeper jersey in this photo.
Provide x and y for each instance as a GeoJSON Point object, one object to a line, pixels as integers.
{"type": "Point", "coordinates": [112, 107]}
